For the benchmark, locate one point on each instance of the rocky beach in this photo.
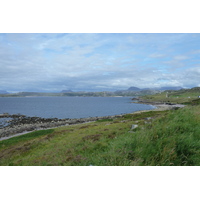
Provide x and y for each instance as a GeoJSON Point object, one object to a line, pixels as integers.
{"type": "Point", "coordinates": [17, 124]}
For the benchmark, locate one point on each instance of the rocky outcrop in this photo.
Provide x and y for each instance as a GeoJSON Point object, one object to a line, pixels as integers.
{"type": "Point", "coordinates": [22, 123]}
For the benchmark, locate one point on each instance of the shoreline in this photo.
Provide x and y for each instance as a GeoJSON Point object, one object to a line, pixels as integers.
{"type": "Point", "coordinates": [23, 125]}
{"type": "Point", "coordinates": [42, 124]}
{"type": "Point", "coordinates": [159, 106]}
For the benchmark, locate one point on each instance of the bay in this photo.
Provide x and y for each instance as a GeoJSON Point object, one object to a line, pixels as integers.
{"type": "Point", "coordinates": [69, 107]}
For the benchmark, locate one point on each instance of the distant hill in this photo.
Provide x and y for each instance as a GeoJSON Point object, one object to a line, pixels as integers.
{"type": "Point", "coordinates": [66, 91]}
{"type": "Point", "coordinates": [186, 96]}
{"type": "Point", "coordinates": [160, 88]}
{"type": "Point", "coordinates": [171, 88]}
{"type": "Point", "coordinates": [3, 92]}
{"type": "Point", "coordinates": [134, 89]}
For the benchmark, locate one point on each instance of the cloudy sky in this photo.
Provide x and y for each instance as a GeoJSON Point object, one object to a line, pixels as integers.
{"type": "Point", "coordinates": [98, 62]}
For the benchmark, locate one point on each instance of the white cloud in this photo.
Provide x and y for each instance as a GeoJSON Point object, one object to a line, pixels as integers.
{"type": "Point", "coordinates": [157, 55]}
{"type": "Point", "coordinates": [83, 61]}
{"type": "Point", "coordinates": [181, 57]}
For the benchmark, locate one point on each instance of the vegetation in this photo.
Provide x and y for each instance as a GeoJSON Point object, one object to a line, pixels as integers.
{"type": "Point", "coordinates": [184, 96]}
{"type": "Point", "coordinates": [161, 138]}
{"type": "Point", "coordinates": [193, 102]}
{"type": "Point", "coordinates": [24, 138]}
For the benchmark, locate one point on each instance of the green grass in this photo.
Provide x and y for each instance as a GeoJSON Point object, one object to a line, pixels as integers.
{"type": "Point", "coordinates": [104, 120]}
{"type": "Point", "coordinates": [173, 140]}
{"type": "Point", "coordinates": [163, 138]}
{"type": "Point", "coordinates": [193, 102]}
{"type": "Point", "coordinates": [25, 137]}
{"type": "Point", "coordinates": [180, 96]}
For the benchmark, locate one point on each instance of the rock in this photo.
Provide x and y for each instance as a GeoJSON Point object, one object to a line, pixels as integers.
{"type": "Point", "coordinates": [21, 123]}
{"type": "Point", "coordinates": [108, 124]}
{"type": "Point", "coordinates": [134, 126]}
{"type": "Point", "coordinates": [148, 118]}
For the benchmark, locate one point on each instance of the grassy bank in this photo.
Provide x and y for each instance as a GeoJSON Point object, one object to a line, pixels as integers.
{"type": "Point", "coordinates": [161, 138]}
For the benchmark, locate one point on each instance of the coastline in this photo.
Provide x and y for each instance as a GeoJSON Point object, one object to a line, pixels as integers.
{"type": "Point", "coordinates": [158, 105]}
{"type": "Point", "coordinates": [23, 125]}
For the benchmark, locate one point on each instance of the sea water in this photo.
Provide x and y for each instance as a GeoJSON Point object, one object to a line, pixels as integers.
{"type": "Point", "coordinates": [69, 107]}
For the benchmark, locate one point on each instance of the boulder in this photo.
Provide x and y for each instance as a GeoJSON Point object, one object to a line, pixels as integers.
{"type": "Point", "coordinates": [134, 126]}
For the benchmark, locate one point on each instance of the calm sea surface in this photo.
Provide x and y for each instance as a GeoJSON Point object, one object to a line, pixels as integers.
{"type": "Point", "coordinates": [69, 107]}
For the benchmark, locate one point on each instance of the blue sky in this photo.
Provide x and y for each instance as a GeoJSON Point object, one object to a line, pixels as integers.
{"type": "Point", "coordinates": [98, 62]}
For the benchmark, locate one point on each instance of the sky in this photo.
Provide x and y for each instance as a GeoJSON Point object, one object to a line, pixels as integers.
{"type": "Point", "coordinates": [54, 62]}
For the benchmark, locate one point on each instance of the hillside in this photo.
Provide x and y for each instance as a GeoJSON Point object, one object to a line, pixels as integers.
{"type": "Point", "coordinates": [181, 96]}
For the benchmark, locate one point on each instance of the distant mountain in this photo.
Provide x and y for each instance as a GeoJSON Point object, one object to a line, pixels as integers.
{"type": "Point", "coordinates": [148, 89]}
{"type": "Point", "coordinates": [134, 89]}
{"type": "Point", "coordinates": [66, 91]}
{"type": "Point", "coordinates": [171, 88]}
{"type": "Point", "coordinates": [161, 88]}
{"type": "Point", "coordinates": [3, 92]}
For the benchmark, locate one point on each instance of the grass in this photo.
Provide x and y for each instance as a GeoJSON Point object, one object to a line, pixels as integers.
{"type": "Point", "coordinates": [193, 102]}
{"type": "Point", "coordinates": [173, 140]}
{"type": "Point", "coordinates": [23, 138]}
{"type": "Point", "coordinates": [180, 96]}
{"type": "Point", "coordinates": [104, 120]}
{"type": "Point", "coordinates": [162, 138]}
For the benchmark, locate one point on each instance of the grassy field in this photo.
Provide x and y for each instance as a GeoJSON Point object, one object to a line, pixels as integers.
{"type": "Point", "coordinates": [181, 96]}
{"type": "Point", "coordinates": [163, 138]}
